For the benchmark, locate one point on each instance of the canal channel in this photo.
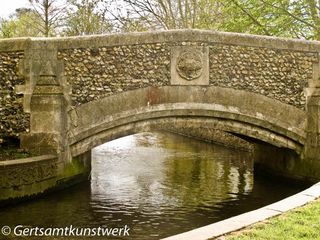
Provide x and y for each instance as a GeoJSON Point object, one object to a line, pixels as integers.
{"type": "Point", "coordinates": [157, 183]}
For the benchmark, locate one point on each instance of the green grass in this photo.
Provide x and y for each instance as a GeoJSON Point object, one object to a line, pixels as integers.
{"type": "Point", "coordinates": [302, 223]}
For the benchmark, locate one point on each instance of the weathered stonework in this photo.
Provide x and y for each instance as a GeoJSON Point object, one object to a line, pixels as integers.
{"type": "Point", "coordinates": [94, 73]}
{"type": "Point", "coordinates": [46, 96]}
{"type": "Point", "coordinates": [26, 172]}
{"type": "Point", "coordinates": [99, 66]}
{"type": "Point", "coordinates": [24, 178]}
{"type": "Point", "coordinates": [275, 73]}
{"type": "Point", "coordinates": [27, 177]}
{"type": "Point", "coordinates": [225, 109]}
{"type": "Point", "coordinates": [136, 72]}
{"type": "Point", "coordinates": [13, 120]}
{"type": "Point", "coordinates": [281, 74]}
{"type": "Point", "coordinates": [189, 65]}
{"type": "Point", "coordinates": [211, 135]}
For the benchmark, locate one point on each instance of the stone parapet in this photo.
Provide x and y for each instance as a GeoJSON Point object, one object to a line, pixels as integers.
{"type": "Point", "coordinates": [103, 65]}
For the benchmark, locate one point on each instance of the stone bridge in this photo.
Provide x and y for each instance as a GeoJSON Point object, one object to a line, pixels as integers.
{"type": "Point", "coordinates": [64, 96]}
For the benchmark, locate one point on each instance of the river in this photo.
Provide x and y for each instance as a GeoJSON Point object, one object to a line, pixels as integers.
{"type": "Point", "coordinates": [158, 184]}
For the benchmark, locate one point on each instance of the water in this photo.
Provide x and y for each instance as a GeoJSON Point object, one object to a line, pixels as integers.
{"type": "Point", "coordinates": [159, 184]}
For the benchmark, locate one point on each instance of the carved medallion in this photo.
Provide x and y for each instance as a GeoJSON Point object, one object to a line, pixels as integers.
{"type": "Point", "coordinates": [189, 65]}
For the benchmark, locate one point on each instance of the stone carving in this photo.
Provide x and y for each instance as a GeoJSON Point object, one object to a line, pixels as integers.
{"type": "Point", "coordinates": [189, 65]}
{"type": "Point", "coordinates": [27, 174]}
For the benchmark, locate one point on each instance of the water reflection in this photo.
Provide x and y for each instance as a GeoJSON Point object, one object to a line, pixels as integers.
{"type": "Point", "coordinates": [159, 184]}
{"type": "Point", "coordinates": [163, 182]}
{"type": "Point", "coordinates": [161, 172]}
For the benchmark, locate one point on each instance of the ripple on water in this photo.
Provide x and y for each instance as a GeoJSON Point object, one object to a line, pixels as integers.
{"type": "Point", "coordinates": [159, 184]}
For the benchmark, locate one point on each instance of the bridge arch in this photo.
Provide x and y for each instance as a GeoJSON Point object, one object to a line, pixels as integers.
{"type": "Point", "coordinates": [158, 66]}
{"type": "Point", "coordinates": [234, 111]}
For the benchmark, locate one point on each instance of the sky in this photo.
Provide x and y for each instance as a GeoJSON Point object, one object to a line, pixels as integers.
{"type": "Point", "coordinates": [8, 7]}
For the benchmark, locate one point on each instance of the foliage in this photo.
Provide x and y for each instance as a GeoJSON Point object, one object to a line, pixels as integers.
{"type": "Point", "coordinates": [171, 14]}
{"type": "Point", "coordinates": [85, 17]}
{"type": "Point", "coordinates": [20, 24]}
{"type": "Point", "coordinates": [285, 18]}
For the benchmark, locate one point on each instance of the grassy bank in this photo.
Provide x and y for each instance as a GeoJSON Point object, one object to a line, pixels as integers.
{"type": "Point", "coordinates": [302, 223]}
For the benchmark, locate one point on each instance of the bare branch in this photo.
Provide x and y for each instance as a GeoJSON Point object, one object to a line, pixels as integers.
{"type": "Point", "coordinates": [254, 20]}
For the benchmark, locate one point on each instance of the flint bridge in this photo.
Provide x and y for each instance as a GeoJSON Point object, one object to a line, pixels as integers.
{"type": "Point", "coordinates": [64, 96]}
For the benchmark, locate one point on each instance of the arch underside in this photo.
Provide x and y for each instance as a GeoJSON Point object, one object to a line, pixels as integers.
{"type": "Point", "coordinates": [150, 108]}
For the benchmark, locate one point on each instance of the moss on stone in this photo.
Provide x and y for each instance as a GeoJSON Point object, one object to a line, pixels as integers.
{"type": "Point", "coordinates": [74, 168]}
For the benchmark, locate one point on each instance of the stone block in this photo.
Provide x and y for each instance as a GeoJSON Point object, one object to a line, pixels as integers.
{"type": "Point", "coordinates": [41, 143]}
{"type": "Point", "coordinates": [190, 65]}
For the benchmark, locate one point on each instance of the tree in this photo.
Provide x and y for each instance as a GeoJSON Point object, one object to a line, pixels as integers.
{"type": "Point", "coordinates": [285, 18]}
{"type": "Point", "coordinates": [6, 28]}
{"type": "Point", "coordinates": [173, 14]}
{"type": "Point", "coordinates": [51, 13]}
{"type": "Point", "coordinates": [85, 17]}
{"type": "Point", "coordinates": [132, 25]}
{"type": "Point", "coordinates": [20, 24]}
{"type": "Point", "coordinates": [288, 18]}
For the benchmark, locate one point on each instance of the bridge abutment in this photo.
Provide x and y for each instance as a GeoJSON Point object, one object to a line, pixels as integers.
{"type": "Point", "coordinates": [311, 153]}
{"type": "Point", "coordinates": [47, 122]}
{"type": "Point", "coordinates": [47, 98]}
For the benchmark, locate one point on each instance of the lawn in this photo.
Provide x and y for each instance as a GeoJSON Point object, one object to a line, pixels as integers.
{"type": "Point", "coordinates": [300, 223]}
